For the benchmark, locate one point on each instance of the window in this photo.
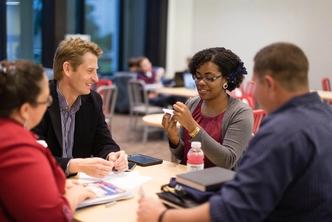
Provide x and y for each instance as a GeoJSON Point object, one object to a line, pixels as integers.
{"type": "Point", "coordinates": [101, 23]}
{"type": "Point", "coordinates": [24, 35]}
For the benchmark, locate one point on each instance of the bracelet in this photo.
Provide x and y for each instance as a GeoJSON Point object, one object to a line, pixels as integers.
{"type": "Point", "coordinates": [194, 133]}
{"type": "Point", "coordinates": [161, 216]}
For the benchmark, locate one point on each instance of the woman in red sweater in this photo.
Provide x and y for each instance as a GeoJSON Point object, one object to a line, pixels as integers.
{"type": "Point", "coordinates": [33, 187]}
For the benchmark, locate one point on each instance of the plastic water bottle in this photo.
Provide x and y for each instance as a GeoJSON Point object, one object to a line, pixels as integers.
{"type": "Point", "coordinates": [195, 157]}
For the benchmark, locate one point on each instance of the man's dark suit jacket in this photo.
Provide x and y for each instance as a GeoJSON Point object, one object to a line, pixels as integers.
{"type": "Point", "coordinates": [91, 137]}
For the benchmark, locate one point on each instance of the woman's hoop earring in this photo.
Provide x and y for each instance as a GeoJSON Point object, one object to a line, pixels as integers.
{"type": "Point", "coordinates": [225, 86]}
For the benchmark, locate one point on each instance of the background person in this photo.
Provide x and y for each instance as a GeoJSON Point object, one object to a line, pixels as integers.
{"type": "Point", "coordinates": [32, 185]}
{"type": "Point", "coordinates": [133, 64]}
{"type": "Point", "coordinates": [286, 173]}
{"type": "Point", "coordinates": [221, 123]}
{"type": "Point", "coordinates": [153, 75]}
{"type": "Point", "coordinates": [147, 73]}
{"type": "Point", "coordinates": [74, 125]}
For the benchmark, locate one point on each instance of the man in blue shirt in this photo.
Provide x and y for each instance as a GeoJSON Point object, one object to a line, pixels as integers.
{"type": "Point", "coordinates": [286, 173]}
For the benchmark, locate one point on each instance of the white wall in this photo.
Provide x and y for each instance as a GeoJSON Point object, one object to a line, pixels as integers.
{"type": "Point", "coordinates": [245, 26]}
{"type": "Point", "coordinates": [179, 35]}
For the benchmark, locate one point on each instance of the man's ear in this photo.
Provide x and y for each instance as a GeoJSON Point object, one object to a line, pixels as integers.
{"type": "Point", "coordinates": [272, 86]}
{"type": "Point", "coordinates": [270, 82]}
{"type": "Point", "coordinates": [66, 68]}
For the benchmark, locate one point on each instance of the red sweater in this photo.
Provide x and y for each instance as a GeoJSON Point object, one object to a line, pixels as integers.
{"type": "Point", "coordinates": [32, 184]}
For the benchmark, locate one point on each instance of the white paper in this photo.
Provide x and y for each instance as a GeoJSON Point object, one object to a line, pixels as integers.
{"type": "Point", "coordinates": [169, 111]}
{"type": "Point", "coordinates": [126, 180]}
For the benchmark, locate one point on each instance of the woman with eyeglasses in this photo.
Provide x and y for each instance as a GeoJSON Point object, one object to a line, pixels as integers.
{"type": "Point", "coordinates": [221, 123]}
{"type": "Point", "coordinates": [33, 187]}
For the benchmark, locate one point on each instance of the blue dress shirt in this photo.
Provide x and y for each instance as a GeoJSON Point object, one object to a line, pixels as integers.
{"type": "Point", "coordinates": [286, 173]}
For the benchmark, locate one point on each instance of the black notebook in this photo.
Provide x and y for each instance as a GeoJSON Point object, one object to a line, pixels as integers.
{"type": "Point", "coordinates": [209, 179]}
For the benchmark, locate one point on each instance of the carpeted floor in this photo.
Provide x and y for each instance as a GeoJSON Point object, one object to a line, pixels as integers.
{"type": "Point", "coordinates": [130, 140]}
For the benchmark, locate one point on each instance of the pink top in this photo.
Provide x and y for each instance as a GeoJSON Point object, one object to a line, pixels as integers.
{"type": "Point", "coordinates": [212, 125]}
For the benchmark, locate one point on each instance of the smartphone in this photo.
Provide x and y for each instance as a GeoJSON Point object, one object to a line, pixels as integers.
{"type": "Point", "coordinates": [131, 166]}
{"type": "Point", "coordinates": [144, 160]}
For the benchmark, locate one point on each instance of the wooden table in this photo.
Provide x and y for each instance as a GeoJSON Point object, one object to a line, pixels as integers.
{"type": "Point", "coordinates": [177, 91]}
{"type": "Point", "coordinates": [125, 211]}
{"type": "Point", "coordinates": [153, 120]}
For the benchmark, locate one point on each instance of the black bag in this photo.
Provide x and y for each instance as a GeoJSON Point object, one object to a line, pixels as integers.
{"type": "Point", "coordinates": [174, 195]}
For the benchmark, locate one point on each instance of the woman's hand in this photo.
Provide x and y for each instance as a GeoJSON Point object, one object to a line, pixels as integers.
{"type": "Point", "coordinates": [183, 115]}
{"type": "Point", "coordinates": [169, 124]}
{"type": "Point", "coordinates": [75, 193]}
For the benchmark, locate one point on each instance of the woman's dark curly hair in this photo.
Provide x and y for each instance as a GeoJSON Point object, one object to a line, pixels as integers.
{"type": "Point", "coordinates": [230, 65]}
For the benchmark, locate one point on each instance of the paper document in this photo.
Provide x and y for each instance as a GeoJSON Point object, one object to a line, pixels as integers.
{"type": "Point", "coordinates": [126, 180]}
{"type": "Point", "coordinates": [169, 111]}
{"type": "Point", "coordinates": [105, 192]}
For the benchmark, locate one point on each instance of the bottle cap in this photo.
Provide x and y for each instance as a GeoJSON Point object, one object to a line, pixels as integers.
{"type": "Point", "coordinates": [196, 144]}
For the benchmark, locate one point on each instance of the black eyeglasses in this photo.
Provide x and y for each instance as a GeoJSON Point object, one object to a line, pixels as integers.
{"type": "Point", "coordinates": [48, 101]}
{"type": "Point", "coordinates": [207, 79]}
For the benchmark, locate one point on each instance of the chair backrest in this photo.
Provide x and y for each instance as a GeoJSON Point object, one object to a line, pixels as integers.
{"type": "Point", "coordinates": [249, 88]}
{"type": "Point", "coordinates": [103, 82]}
{"type": "Point", "coordinates": [258, 116]}
{"type": "Point", "coordinates": [326, 85]}
{"type": "Point", "coordinates": [121, 79]}
{"type": "Point", "coordinates": [137, 94]}
{"type": "Point", "coordinates": [109, 94]}
{"type": "Point", "coordinates": [248, 94]}
{"type": "Point", "coordinates": [236, 93]}
{"type": "Point", "coordinates": [249, 100]}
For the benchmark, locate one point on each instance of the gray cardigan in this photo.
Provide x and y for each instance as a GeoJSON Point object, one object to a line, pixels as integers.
{"type": "Point", "coordinates": [236, 132]}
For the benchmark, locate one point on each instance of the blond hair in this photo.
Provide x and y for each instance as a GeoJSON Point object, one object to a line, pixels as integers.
{"type": "Point", "coordinates": [72, 50]}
